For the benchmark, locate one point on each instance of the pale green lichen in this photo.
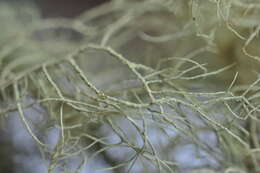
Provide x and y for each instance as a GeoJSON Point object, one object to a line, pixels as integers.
{"type": "Point", "coordinates": [173, 65]}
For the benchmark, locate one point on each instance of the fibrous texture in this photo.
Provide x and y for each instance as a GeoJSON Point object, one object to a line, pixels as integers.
{"type": "Point", "coordinates": [143, 86]}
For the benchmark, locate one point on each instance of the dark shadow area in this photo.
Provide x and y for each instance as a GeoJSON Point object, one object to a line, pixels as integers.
{"type": "Point", "coordinates": [66, 8]}
{"type": "Point", "coordinates": [6, 153]}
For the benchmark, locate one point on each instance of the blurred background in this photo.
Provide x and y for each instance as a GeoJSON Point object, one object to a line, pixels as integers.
{"type": "Point", "coordinates": [61, 8]}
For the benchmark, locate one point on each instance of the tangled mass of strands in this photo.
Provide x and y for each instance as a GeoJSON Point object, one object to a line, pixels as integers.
{"type": "Point", "coordinates": [137, 84]}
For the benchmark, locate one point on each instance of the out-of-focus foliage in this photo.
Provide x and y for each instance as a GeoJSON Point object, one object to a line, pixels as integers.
{"type": "Point", "coordinates": [144, 86]}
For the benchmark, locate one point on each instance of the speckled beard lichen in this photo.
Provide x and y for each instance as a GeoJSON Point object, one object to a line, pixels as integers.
{"type": "Point", "coordinates": [126, 71]}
